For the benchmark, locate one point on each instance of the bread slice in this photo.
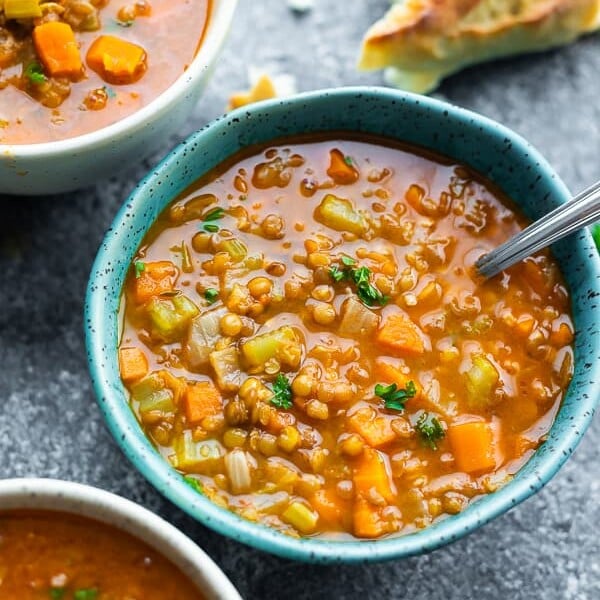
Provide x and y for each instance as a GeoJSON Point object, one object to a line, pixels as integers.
{"type": "Point", "coordinates": [422, 41]}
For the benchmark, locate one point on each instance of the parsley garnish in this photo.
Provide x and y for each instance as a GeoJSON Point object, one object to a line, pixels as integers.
{"type": "Point", "coordinates": [35, 73]}
{"type": "Point", "coordinates": [282, 392]}
{"type": "Point", "coordinates": [194, 483]}
{"type": "Point", "coordinates": [85, 594]}
{"type": "Point", "coordinates": [367, 293]}
{"type": "Point", "coordinates": [140, 267]}
{"type": "Point", "coordinates": [211, 294]}
{"type": "Point", "coordinates": [394, 397]}
{"type": "Point", "coordinates": [214, 214]}
{"type": "Point", "coordinates": [430, 430]}
{"type": "Point", "coordinates": [210, 228]}
{"type": "Point", "coordinates": [57, 593]}
{"type": "Point", "coordinates": [348, 160]}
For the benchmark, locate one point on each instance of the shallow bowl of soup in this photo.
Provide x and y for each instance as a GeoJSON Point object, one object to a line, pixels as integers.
{"type": "Point", "coordinates": [288, 339]}
{"type": "Point", "coordinates": [88, 87]}
{"type": "Point", "coordinates": [65, 540]}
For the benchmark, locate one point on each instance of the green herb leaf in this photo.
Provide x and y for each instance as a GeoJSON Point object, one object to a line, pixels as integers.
{"type": "Point", "coordinates": [140, 267]}
{"type": "Point", "coordinates": [57, 593]}
{"type": "Point", "coordinates": [211, 294]}
{"type": "Point", "coordinates": [194, 483]}
{"type": "Point", "coordinates": [348, 160]}
{"type": "Point", "coordinates": [367, 293]}
{"type": "Point", "coordinates": [430, 430]}
{"type": "Point", "coordinates": [395, 397]}
{"type": "Point", "coordinates": [210, 228]}
{"type": "Point", "coordinates": [35, 72]}
{"type": "Point", "coordinates": [596, 234]}
{"type": "Point", "coordinates": [214, 214]}
{"type": "Point", "coordinates": [85, 594]}
{"type": "Point", "coordinates": [282, 392]}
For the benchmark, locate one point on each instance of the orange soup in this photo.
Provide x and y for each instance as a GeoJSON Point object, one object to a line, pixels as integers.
{"type": "Point", "coordinates": [74, 66]}
{"type": "Point", "coordinates": [58, 556]}
{"type": "Point", "coordinates": [305, 338]}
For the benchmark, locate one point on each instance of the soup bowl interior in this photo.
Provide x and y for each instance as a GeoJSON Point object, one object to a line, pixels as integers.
{"type": "Point", "coordinates": [72, 163]}
{"type": "Point", "coordinates": [93, 503]}
{"type": "Point", "coordinates": [489, 148]}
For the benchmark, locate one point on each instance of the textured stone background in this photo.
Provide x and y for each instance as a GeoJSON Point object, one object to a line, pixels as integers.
{"type": "Point", "coordinates": [549, 547]}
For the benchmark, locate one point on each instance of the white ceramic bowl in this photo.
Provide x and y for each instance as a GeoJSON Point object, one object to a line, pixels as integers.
{"type": "Point", "coordinates": [54, 167]}
{"type": "Point", "coordinates": [87, 501]}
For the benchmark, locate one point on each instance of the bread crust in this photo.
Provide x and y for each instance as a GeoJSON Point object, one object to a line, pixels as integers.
{"type": "Point", "coordinates": [426, 40]}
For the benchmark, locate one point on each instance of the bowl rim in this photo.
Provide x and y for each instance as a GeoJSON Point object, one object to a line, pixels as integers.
{"type": "Point", "coordinates": [172, 485]}
{"type": "Point", "coordinates": [56, 495]}
{"type": "Point", "coordinates": [216, 29]}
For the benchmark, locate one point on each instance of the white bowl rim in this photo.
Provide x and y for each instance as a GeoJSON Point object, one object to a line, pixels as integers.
{"type": "Point", "coordinates": [217, 26]}
{"type": "Point", "coordinates": [57, 495]}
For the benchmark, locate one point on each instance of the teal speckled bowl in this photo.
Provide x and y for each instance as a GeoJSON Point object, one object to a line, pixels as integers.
{"type": "Point", "coordinates": [496, 152]}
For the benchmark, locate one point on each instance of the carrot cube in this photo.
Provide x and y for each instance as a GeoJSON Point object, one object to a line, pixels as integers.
{"type": "Point", "coordinates": [341, 169]}
{"type": "Point", "coordinates": [57, 48]}
{"type": "Point", "coordinates": [473, 446]}
{"type": "Point", "coordinates": [367, 522]}
{"type": "Point", "coordinates": [371, 473]}
{"type": "Point", "coordinates": [115, 60]}
{"type": "Point", "coordinates": [201, 400]}
{"type": "Point", "coordinates": [153, 279]}
{"type": "Point", "coordinates": [376, 430]}
{"type": "Point", "coordinates": [329, 506]}
{"type": "Point", "coordinates": [133, 364]}
{"type": "Point", "coordinates": [388, 373]}
{"type": "Point", "coordinates": [399, 333]}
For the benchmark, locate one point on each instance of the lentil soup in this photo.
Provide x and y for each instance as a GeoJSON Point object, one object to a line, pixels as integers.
{"type": "Point", "coordinates": [57, 556]}
{"type": "Point", "coordinates": [74, 66]}
{"type": "Point", "coordinates": [304, 338]}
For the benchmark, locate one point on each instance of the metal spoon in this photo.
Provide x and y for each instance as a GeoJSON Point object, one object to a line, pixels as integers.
{"type": "Point", "coordinates": [582, 210]}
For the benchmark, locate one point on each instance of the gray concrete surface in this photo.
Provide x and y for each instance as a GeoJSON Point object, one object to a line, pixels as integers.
{"type": "Point", "coordinates": [549, 547]}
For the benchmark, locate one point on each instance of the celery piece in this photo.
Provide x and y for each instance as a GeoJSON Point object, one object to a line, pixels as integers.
{"type": "Point", "coordinates": [482, 378]}
{"type": "Point", "coordinates": [203, 333]}
{"type": "Point", "coordinates": [281, 344]}
{"type": "Point", "coordinates": [301, 517]}
{"type": "Point", "coordinates": [236, 249]}
{"type": "Point", "coordinates": [340, 214]}
{"type": "Point", "coordinates": [22, 9]}
{"type": "Point", "coordinates": [200, 457]}
{"type": "Point", "coordinates": [152, 394]}
{"type": "Point", "coordinates": [170, 316]}
{"type": "Point", "coordinates": [226, 365]}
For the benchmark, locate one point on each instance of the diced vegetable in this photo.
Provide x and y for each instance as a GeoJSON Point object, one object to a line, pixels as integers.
{"type": "Point", "coordinates": [357, 319]}
{"type": "Point", "coordinates": [481, 380]}
{"type": "Point", "coordinates": [281, 344]}
{"type": "Point", "coordinates": [473, 446]}
{"type": "Point", "coordinates": [202, 457]}
{"type": "Point", "coordinates": [341, 169]}
{"type": "Point", "coordinates": [159, 391]}
{"type": "Point", "coordinates": [371, 473]}
{"type": "Point", "coordinates": [376, 430]}
{"type": "Point", "coordinates": [117, 61]}
{"type": "Point", "coordinates": [133, 364]}
{"type": "Point", "coordinates": [203, 333]}
{"type": "Point", "coordinates": [399, 333]}
{"type": "Point", "coordinates": [238, 471]}
{"type": "Point", "coordinates": [152, 279]}
{"type": "Point", "coordinates": [240, 300]}
{"type": "Point", "coordinates": [58, 50]}
{"type": "Point", "coordinates": [200, 400]}
{"type": "Point", "coordinates": [329, 505]}
{"type": "Point", "coordinates": [340, 214]}
{"type": "Point", "coordinates": [301, 517]}
{"type": "Point", "coordinates": [170, 316]}
{"type": "Point", "coordinates": [21, 9]}
{"type": "Point", "coordinates": [367, 521]}
{"type": "Point", "coordinates": [236, 249]}
{"type": "Point", "coordinates": [226, 365]}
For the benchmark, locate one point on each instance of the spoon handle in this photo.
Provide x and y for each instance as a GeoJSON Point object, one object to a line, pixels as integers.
{"type": "Point", "coordinates": [582, 210]}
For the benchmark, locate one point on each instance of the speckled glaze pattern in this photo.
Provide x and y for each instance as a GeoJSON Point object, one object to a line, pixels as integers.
{"type": "Point", "coordinates": [493, 150]}
{"type": "Point", "coordinates": [87, 501]}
